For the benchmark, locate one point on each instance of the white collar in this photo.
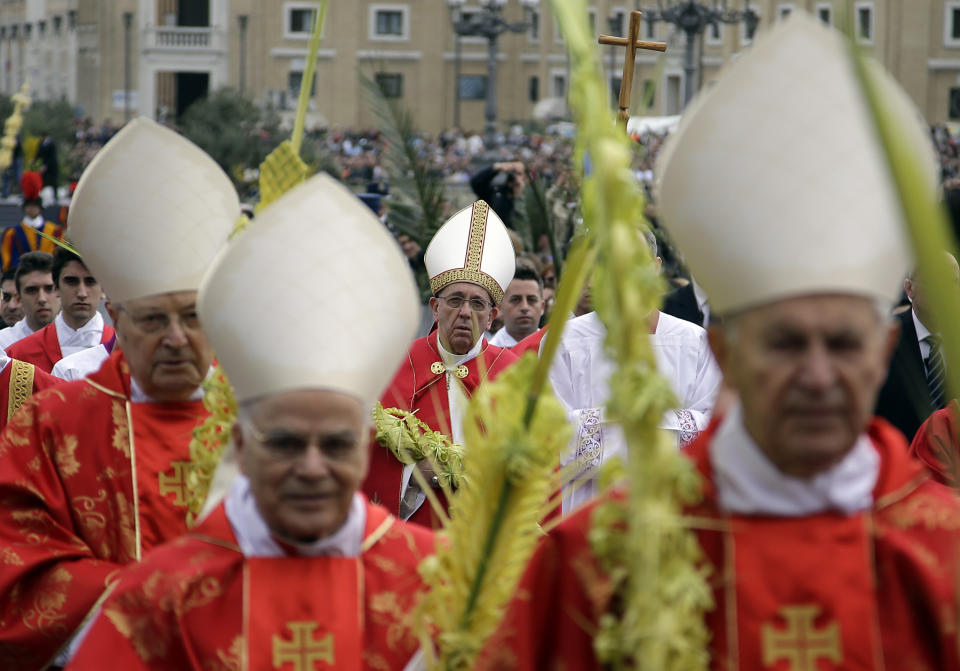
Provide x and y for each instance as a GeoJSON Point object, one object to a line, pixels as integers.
{"type": "Point", "coordinates": [66, 333]}
{"type": "Point", "coordinates": [451, 360]}
{"type": "Point", "coordinates": [256, 540]}
{"type": "Point", "coordinates": [138, 395]}
{"type": "Point", "coordinates": [749, 484]}
{"type": "Point", "coordinates": [22, 328]}
{"type": "Point", "coordinates": [36, 222]}
{"type": "Point", "coordinates": [922, 331]}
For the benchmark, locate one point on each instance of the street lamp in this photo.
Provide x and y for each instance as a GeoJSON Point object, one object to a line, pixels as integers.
{"type": "Point", "coordinates": [242, 20]}
{"type": "Point", "coordinates": [487, 22]}
{"type": "Point", "coordinates": [692, 18]}
{"type": "Point", "coordinates": [127, 25]}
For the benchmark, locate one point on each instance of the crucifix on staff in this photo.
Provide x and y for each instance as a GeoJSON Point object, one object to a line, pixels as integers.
{"type": "Point", "coordinates": [632, 42]}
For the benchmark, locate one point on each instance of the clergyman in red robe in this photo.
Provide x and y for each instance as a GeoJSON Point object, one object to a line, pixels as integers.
{"type": "Point", "coordinates": [470, 261]}
{"type": "Point", "coordinates": [295, 569]}
{"type": "Point", "coordinates": [92, 472]}
{"type": "Point", "coordinates": [828, 546]}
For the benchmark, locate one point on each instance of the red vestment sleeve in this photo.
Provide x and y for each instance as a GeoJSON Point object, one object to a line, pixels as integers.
{"type": "Point", "coordinates": [50, 578]}
{"type": "Point", "coordinates": [936, 444]}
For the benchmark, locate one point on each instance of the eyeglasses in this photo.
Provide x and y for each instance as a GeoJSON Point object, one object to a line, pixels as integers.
{"type": "Point", "coordinates": [456, 302]}
{"type": "Point", "coordinates": [283, 444]}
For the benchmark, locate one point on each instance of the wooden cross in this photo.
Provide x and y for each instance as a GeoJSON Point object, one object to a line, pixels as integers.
{"type": "Point", "coordinates": [632, 43]}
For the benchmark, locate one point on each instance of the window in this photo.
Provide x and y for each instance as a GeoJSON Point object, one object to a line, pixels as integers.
{"type": "Point", "coordinates": [592, 17]}
{"type": "Point", "coordinates": [42, 28]}
{"type": "Point", "coordinates": [298, 20]}
{"type": "Point", "coordinates": [473, 87]}
{"type": "Point", "coordinates": [533, 34]}
{"type": "Point", "coordinates": [57, 24]}
{"type": "Point", "coordinates": [615, 89]}
{"type": "Point", "coordinates": [864, 21]}
{"type": "Point", "coordinates": [714, 33]}
{"type": "Point", "coordinates": [27, 30]}
{"type": "Point", "coordinates": [294, 81]}
{"type": "Point", "coordinates": [617, 22]}
{"type": "Point", "coordinates": [748, 28]}
{"type": "Point", "coordinates": [951, 23]}
{"type": "Point", "coordinates": [825, 12]}
{"type": "Point", "coordinates": [534, 89]}
{"type": "Point", "coordinates": [302, 20]}
{"type": "Point", "coordinates": [558, 85]}
{"type": "Point", "coordinates": [954, 111]}
{"type": "Point", "coordinates": [389, 23]}
{"type": "Point", "coordinates": [649, 91]}
{"type": "Point", "coordinates": [649, 30]}
{"type": "Point", "coordinates": [390, 83]}
{"type": "Point", "coordinates": [784, 10]}
{"type": "Point", "coordinates": [557, 35]}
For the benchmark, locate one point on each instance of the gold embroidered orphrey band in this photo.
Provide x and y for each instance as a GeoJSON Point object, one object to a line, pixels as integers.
{"type": "Point", "coordinates": [471, 271]}
{"type": "Point", "coordinates": [21, 385]}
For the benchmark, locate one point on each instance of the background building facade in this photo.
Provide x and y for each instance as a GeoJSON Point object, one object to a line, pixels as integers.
{"type": "Point", "coordinates": [119, 58]}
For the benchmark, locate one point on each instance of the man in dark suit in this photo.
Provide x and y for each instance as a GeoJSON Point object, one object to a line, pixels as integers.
{"type": "Point", "coordinates": [688, 302]}
{"type": "Point", "coordinates": [914, 385]}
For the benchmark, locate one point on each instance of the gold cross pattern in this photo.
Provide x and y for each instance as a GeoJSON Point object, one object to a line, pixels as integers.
{"type": "Point", "coordinates": [303, 651]}
{"type": "Point", "coordinates": [801, 644]}
{"type": "Point", "coordinates": [176, 483]}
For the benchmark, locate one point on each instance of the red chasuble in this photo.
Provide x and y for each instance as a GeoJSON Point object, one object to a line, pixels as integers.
{"type": "Point", "coordinates": [88, 481]}
{"type": "Point", "coordinates": [417, 387]}
{"type": "Point", "coordinates": [873, 591]}
{"type": "Point", "coordinates": [198, 604]}
{"type": "Point", "coordinates": [42, 348]}
{"type": "Point", "coordinates": [937, 444]}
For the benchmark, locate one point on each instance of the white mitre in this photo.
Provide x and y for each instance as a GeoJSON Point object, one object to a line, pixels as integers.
{"type": "Point", "coordinates": [775, 183]}
{"type": "Point", "coordinates": [151, 212]}
{"type": "Point", "coordinates": [472, 246]}
{"type": "Point", "coordinates": [343, 302]}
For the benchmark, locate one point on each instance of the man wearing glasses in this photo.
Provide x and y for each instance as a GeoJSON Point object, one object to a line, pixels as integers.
{"type": "Point", "coordinates": [470, 262]}
{"type": "Point", "coordinates": [93, 475]}
{"type": "Point", "coordinates": [320, 565]}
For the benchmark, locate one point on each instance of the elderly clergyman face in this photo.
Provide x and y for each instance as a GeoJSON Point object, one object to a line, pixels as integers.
{"type": "Point", "coordinates": [807, 371]}
{"type": "Point", "coordinates": [305, 454]}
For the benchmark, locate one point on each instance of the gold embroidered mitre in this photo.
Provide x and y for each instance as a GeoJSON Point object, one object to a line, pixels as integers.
{"type": "Point", "coordinates": [151, 212]}
{"type": "Point", "coordinates": [472, 246]}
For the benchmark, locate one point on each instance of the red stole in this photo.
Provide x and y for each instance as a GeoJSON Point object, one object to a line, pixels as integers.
{"type": "Point", "coordinates": [161, 448]}
{"type": "Point", "coordinates": [42, 348]}
{"type": "Point", "coordinates": [416, 387]}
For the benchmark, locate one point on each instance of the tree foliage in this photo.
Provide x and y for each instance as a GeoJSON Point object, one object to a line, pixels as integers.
{"type": "Point", "coordinates": [232, 129]}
